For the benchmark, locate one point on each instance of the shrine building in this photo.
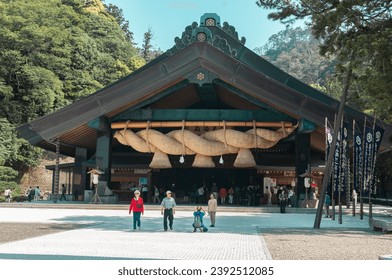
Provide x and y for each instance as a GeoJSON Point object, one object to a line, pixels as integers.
{"type": "Point", "coordinates": [208, 110]}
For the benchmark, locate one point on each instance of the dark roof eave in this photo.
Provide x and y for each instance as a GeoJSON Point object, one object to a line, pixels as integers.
{"type": "Point", "coordinates": [173, 69]}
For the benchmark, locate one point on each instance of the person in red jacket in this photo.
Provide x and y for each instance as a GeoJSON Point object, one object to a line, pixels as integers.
{"type": "Point", "coordinates": [137, 206]}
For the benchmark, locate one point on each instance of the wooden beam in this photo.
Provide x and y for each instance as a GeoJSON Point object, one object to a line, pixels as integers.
{"type": "Point", "coordinates": [155, 124]}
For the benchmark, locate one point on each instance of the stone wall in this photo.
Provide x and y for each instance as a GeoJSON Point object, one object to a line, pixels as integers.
{"type": "Point", "coordinates": [40, 176]}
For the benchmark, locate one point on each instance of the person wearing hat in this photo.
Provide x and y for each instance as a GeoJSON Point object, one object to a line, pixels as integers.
{"type": "Point", "coordinates": [168, 210]}
{"type": "Point", "coordinates": [137, 206]}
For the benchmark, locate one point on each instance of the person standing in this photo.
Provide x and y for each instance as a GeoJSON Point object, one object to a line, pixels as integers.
{"type": "Point", "coordinates": [37, 193]}
{"type": "Point", "coordinates": [327, 203]}
{"type": "Point", "coordinates": [145, 192]}
{"type": "Point", "coordinates": [30, 194]}
{"type": "Point", "coordinates": [200, 195]}
{"type": "Point", "coordinates": [7, 194]}
{"type": "Point", "coordinates": [186, 196]}
{"type": "Point", "coordinates": [173, 190]}
{"type": "Point", "coordinates": [156, 195]}
{"type": "Point", "coordinates": [212, 207]}
{"type": "Point", "coordinates": [137, 206]}
{"type": "Point", "coordinates": [355, 197]}
{"type": "Point", "coordinates": [214, 190]}
{"type": "Point", "coordinates": [168, 210]}
{"type": "Point", "coordinates": [282, 201]}
{"type": "Point", "coordinates": [223, 194]}
{"type": "Point", "coordinates": [63, 192]}
{"type": "Point", "coordinates": [268, 194]}
{"type": "Point", "coordinates": [230, 193]}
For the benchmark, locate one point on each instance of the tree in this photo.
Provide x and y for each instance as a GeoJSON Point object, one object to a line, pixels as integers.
{"type": "Point", "coordinates": [118, 14]}
{"type": "Point", "coordinates": [14, 151]}
{"type": "Point", "coordinates": [52, 53]}
{"type": "Point", "coordinates": [146, 50]}
{"type": "Point", "coordinates": [296, 51]}
{"type": "Point", "coordinates": [55, 52]}
{"type": "Point", "coordinates": [360, 34]}
{"type": "Point", "coordinates": [360, 31]}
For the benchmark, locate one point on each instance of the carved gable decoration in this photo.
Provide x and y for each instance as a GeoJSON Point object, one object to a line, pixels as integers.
{"type": "Point", "coordinates": [206, 33]}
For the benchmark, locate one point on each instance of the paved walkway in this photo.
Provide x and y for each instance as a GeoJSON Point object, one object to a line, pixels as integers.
{"type": "Point", "coordinates": [107, 234]}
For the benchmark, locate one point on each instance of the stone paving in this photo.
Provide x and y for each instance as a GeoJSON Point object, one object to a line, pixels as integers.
{"type": "Point", "coordinates": [107, 234]}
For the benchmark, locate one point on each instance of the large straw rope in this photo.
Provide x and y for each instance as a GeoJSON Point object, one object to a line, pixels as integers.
{"type": "Point", "coordinates": [211, 143]}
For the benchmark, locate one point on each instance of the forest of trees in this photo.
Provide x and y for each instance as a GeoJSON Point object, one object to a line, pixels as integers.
{"type": "Point", "coordinates": [356, 36]}
{"type": "Point", "coordinates": [54, 52]}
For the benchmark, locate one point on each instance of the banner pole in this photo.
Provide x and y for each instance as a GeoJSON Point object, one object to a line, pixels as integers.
{"type": "Point", "coordinates": [355, 164]}
{"type": "Point", "coordinates": [340, 173]}
{"type": "Point", "coordinates": [363, 175]}
{"type": "Point", "coordinates": [372, 171]}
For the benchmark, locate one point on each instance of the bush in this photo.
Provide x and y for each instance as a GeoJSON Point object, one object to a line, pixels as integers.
{"type": "Point", "coordinates": [7, 180]}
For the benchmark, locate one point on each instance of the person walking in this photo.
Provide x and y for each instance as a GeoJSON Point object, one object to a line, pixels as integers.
{"type": "Point", "coordinates": [137, 206]}
{"type": "Point", "coordinates": [168, 210]}
{"type": "Point", "coordinates": [212, 207]}
{"type": "Point", "coordinates": [63, 192]}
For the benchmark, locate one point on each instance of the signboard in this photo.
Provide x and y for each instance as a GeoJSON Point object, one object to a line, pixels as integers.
{"type": "Point", "coordinates": [142, 181]}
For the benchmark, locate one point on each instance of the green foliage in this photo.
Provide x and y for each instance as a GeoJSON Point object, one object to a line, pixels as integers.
{"type": "Point", "coordinates": [146, 49]}
{"type": "Point", "coordinates": [52, 53]}
{"type": "Point", "coordinates": [14, 151]}
{"type": "Point", "coordinates": [296, 51]}
{"type": "Point", "coordinates": [7, 180]}
{"type": "Point", "coordinates": [356, 31]}
{"type": "Point", "coordinates": [117, 13]}
{"type": "Point", "coordinates": [55, 52]}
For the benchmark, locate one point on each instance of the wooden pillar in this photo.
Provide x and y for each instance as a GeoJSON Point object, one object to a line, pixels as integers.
{"type": "Point", "coordinates": [302, 162]}
{"type": "Point", "coordinates": [79, 174]}
{"type": "Point", "coordinates": [104, 154]}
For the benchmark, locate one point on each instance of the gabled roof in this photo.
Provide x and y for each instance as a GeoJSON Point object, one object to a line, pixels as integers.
{"type": "Point", "coordinates": [204, 55]}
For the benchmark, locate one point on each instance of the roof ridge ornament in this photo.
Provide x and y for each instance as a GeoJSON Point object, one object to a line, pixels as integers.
{"type": "Point", "coordinates": [204, 33]}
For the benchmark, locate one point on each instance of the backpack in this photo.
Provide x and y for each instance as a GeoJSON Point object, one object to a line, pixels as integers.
{"type": "Point", "coordinates": [197, 221]}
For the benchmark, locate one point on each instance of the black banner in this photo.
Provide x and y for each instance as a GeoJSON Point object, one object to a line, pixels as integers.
{"type": "Point", "coordinates": [357, 161]}
{"type": "Point", "coordinates": [337, 164]}
{"type": "Point", "coordinates": [344, 160]}
{"type": "Point", "coordinates": [378, 134]}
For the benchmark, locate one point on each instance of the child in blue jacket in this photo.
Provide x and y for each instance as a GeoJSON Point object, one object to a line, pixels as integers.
{"type": "Point", "coordinates": [198, 219]}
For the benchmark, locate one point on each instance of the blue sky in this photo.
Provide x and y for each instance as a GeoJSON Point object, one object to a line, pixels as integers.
{"type": "Point", "coordinates": [168, 19]}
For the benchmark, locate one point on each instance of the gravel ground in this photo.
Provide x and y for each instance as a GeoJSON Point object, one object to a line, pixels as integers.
{"type": "Point", "coordinates": [18, 231]}
{"type": "Point", "coordinates": [324, 244]}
